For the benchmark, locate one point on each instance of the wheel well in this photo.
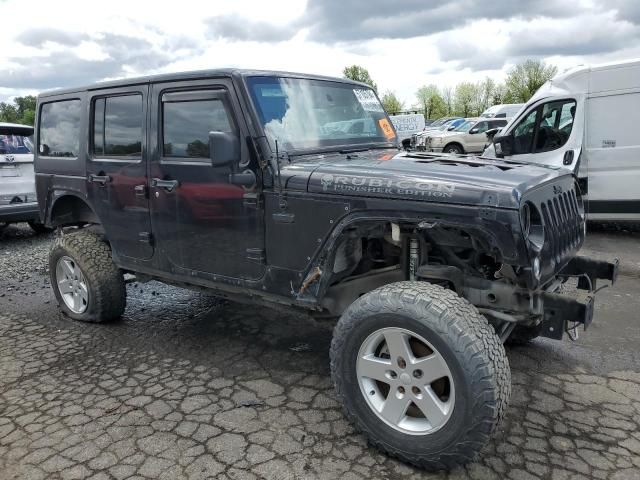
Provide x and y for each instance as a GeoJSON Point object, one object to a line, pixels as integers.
{"type": "Point", "coordinates": [71, 210]}
{"type": "Point", "coordinates": [373, 254]}
{"type": "Point", "coordinates": [459, 145]}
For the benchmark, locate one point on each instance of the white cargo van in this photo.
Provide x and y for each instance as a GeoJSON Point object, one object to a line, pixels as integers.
{"type": "Point", "coordinates": [505, 110]}
{"type": "Point", "coordinates": [587, 120]}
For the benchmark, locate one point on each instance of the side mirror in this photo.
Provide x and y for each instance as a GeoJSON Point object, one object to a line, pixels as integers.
{"type": "Point", "coordinates": [224, 148]}
{"type": "Point", "coordinates": [451, 128]}
{"type": "Point", "coordinates": [492, 133]}
{"type": "Point", "coordinates": [473, 131]}
{"type": "Point", "coordinates": [503, 145]}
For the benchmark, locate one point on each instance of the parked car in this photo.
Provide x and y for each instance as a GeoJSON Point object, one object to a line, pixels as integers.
{"type": "Point", "coordinates": [505, 110]}
{"type": "Point", "coordinates": [18, 201]}
{"type": "Point", "coordinates": [429, 264]}
{"type": "Point", "coordinates": [468, 137]}
{"type": "Point", "coordinates": [418, 141]}
{"type": "Point", "coordinates": [584, 120]}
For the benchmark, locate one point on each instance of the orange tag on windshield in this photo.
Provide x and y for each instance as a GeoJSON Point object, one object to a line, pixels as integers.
{"type": "Point", "coordinates": [387, 129]}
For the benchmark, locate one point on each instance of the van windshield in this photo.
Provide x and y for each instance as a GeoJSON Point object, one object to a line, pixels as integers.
{"type": "Point", "coordinates": [306, 114]}
{"type": "Point", "coordinates": [15, 144]}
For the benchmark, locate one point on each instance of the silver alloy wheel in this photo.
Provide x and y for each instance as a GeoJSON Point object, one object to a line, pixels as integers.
{"type": "Point", "coordinates": [405, 381]}
{"type": "Point", "coordinates": [72, 285]}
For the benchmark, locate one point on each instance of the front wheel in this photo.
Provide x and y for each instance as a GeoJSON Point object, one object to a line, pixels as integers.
{"type": "Point", "coordinates": [421, 373]}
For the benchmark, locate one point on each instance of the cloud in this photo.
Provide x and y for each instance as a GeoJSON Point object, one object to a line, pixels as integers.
{"type": "Point", "coordinates": [122, 55]}
{"type": "Point", "coordinates": [360, 20]}
{"type": "Point", "coordinates": [234, 27]}
{"type": "Point", "coordinates": [37, 37]}
{"type": "Point", "coordinates": [517, 39]}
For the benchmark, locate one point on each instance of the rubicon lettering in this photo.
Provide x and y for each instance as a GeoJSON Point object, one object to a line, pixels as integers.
{"type": "Point", "coordinates": [339, 183]}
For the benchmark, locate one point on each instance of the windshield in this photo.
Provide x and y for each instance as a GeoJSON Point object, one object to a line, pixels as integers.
{"type": "Point", "coordinates": [304, 114]}
{"type": "Point", "coordinates": [15, 144]}
{"type": "Point", "coordinates": [465, 127]}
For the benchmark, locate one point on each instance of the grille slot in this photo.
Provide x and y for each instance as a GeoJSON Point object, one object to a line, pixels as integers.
{"type": "Point", "coordinates": [562, 219]}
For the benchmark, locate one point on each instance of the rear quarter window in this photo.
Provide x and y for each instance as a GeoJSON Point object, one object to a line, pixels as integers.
{"type": "Point", "coordinates": [59, 131]}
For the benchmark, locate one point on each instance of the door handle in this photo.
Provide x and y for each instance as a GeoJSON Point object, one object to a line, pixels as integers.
{"type": "Point", "coordinates": [100, 179]}
{"type": "Point", "coordinates": [168, 185]}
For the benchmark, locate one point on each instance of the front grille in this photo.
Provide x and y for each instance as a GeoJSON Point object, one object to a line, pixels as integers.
{"type": "Point", "coordinates": [563, 219]}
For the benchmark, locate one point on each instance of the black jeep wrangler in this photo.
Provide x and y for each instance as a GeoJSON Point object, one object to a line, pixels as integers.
{"type": "Point", "coordinates": [290, 189]}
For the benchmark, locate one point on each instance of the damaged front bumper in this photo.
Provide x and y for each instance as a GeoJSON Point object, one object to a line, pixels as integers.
{"type": "Point", "coordinates": [553, 313]}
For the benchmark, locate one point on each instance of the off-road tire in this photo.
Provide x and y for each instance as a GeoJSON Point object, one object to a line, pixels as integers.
{"type": "Point", "coordinates": [39, 227]}
{"type": "Point", "coordinates": [105, 281]}
{"type": "Point", "coordinates": [523, 335]}
{"type": "Point", "coordinates": [453, 148]}
{"type": "Point", "coordinates": [464, 338]}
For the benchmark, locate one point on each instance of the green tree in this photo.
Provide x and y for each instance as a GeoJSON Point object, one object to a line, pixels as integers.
{"type": "Point", "coordinates": [465, 97]}
{"type": "Point", "coordinates": [447, 98]}
{"type": "Point", "coordinates": [359, 74]}
{"type": "Point", "coordinates": [391, 102]}
{"type": "Point", "coordinates": [485, 94]}
{"type": "Point", "coordinates": [524, 79]}
{"type": "Point", "coordinates": [432, 103]}
{"type": "Point", "coordinates": [22, 110]}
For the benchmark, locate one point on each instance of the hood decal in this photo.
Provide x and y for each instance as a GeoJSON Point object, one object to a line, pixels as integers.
{"type": "Point", "coordinates": [386, 186]}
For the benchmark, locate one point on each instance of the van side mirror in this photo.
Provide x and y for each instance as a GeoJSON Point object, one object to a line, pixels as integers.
{"type": "Point", "coordinates": [473, 131]}
{"type": "Point", "coordinates": [503, 145]}
{"type": "Point", "coordinates": [224, 148]}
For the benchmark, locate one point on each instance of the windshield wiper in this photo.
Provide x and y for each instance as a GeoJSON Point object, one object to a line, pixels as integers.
{"type": "Point", "coordinates": [354, 150]}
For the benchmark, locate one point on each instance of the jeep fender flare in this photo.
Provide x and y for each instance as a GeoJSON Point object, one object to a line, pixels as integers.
{"type": "Point", "coordinates": [69, 208]}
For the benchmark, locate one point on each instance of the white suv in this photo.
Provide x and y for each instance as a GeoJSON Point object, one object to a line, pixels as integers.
{"type": "Point", "coordinates": [18, 201]}
{"type": "Point", "coordinates": [466, 138]}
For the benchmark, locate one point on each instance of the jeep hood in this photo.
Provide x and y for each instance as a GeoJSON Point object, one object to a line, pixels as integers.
{"type": "Point", "coordinates": [463, 180]}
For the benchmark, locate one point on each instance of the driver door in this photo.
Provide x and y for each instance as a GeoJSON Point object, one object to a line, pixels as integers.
{"type": "Point", "coordinates": [549, 133]}
{"type": "Point", "coordinates": [205, 225]}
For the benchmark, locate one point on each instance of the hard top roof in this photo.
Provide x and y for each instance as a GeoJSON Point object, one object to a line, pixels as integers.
{"type": "Point", "coordinates": [193, 75]}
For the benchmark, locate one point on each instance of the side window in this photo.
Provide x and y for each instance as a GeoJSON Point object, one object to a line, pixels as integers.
{"type": "Point", "coordinates": [187, 119]}
{"type": "Point", "coordinates": [523, 133]}
{"type": "Point", "coordinates": [482, 127]}
{"type": "Point", "coordinates": [60, 129]}
{"type": "Point", "coordinates": [497, 123]}
{"type": "Point", "coordinates": [117, 126]}
{"type": "Point", "coordinates": [556, 123]}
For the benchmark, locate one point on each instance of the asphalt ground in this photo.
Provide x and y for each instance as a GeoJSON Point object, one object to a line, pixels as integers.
{"type": "Point", "coordinates": [188, 386]}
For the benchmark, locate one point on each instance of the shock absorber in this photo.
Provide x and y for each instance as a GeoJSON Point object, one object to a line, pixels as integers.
{"type": "Point", "coordinates": [414, 257]}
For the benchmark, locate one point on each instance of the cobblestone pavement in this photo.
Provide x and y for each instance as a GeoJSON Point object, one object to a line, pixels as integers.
{"type": "Point", "coordinates": [188, 386]}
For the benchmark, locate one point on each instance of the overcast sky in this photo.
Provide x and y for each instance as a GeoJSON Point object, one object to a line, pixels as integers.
{"type": "Point", "coordinates": [404, 44]}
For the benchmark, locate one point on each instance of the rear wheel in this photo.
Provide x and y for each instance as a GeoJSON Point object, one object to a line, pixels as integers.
{"type": "Point", "coordinates": [87, 284]}
{"type": "Point", "coordinates": [421, 373]}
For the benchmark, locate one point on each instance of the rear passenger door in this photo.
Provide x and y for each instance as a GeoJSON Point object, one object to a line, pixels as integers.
{"type": "Point", "coordinates": [117, 169]}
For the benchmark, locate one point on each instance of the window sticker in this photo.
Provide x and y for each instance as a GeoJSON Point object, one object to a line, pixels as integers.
{"type": "Point", "coordinates": [368, 100]}
{"type": "Point", "coordinates": [387, 129]}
